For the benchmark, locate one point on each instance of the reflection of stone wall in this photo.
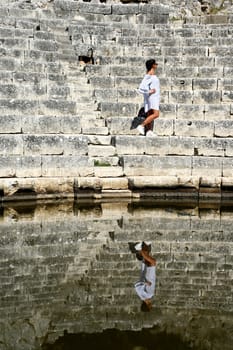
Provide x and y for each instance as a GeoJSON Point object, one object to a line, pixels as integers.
{"type": "Point", "coordinates": [65, 267]}
{"type": "Point", "coordinates": [64, 121]}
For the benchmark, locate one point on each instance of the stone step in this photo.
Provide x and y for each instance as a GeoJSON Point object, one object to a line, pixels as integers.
{"type": "Point", "coordinates": [47, 166]}
{"type": "Point", "coordinates": [9, 33]}
{"type": "Point", "coordinates": [26, 107]}
{"type": "Point", "coordinates": [174, 146]}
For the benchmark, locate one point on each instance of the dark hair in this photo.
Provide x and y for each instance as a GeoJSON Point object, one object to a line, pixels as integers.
{"type": "Point", "coordinates": [149, 64]}
{"type": "Point", "coordinates": [145, 307]}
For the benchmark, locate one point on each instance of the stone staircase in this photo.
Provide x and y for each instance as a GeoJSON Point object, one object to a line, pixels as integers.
{"type": "Point", "coordinates": [68, 124]}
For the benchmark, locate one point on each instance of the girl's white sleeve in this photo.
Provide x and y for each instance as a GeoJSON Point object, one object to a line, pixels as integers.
{"type": "Point", "coordinates": [144, 87]}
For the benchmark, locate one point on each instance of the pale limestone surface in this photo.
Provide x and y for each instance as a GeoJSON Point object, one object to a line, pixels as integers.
{"type": "Point", "coordinates": [61, 118]}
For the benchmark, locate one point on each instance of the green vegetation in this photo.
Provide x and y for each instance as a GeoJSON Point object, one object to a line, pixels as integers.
{"type": "Point", "coordinates": [215, 10]}
{"type": "Point", "coordinates": [101, 163]}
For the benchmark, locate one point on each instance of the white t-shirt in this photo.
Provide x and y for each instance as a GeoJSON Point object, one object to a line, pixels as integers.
{"type": "Point", "coordinates": [143, 289]}
{"type": "Point", "coordinates": [150, 101]}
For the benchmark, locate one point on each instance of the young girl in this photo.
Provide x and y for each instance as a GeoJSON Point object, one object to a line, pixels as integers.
{"type": "Point", "coordinates": [150, 88]}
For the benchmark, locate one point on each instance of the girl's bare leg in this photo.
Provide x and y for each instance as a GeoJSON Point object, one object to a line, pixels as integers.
{"type": "Point", "coordinates": [151, 115]}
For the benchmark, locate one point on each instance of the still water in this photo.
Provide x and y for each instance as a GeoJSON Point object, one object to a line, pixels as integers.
{"type": "Point", "coordinates": [67, 275]}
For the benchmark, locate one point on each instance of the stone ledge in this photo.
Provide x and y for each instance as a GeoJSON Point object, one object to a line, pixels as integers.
{"type": "Point", "coordinates": [132, 188]}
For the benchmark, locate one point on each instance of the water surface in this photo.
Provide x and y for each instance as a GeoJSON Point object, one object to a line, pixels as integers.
{"type": "Point", "coordinates": [67, 275]}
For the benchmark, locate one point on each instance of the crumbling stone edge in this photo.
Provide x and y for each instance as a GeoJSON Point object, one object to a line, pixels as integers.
{"type": "Point", "coordinates": [120, 189]}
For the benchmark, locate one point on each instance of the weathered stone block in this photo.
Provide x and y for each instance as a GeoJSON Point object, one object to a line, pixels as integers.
{"type": "Point", "coordinates": [16, 43]}
{"type": "Point", "coordinates": [225, 84]}
{"type": "Point", "coordinates": [58, 106]}
{"type": "Point", "coordinates": [104, 82]}
{"type": "Point", "coordinates": [210, 147]}
{"type": "Point", "coordinates": [58, 92]}
{"type": "Point", "coordinates": [120, 125]}
{"type": "Point", "coordinates": [36, 91]}
{"type": "Point", "coordinates": [97, 70]}
{"type": "Point", "coordinates": [9, 91]}
{"type": "Point", "coordinates": [153, 181]}
{"type": "Point", "coordinates": [99, 140]}
{"type": "Point", "coordinates": [125, 95]}
{"type": "Point", "coordinates": [209, 181]}
{"type": "Point", "coordinates": [152, 18]}
{"type": "Point", "coordinates": [215, 19]}
{"type": "Point", "coordinates": [107, 171]}
{"type": "Point", "coordinates": [88, 182]}
{"type": "Point", "coordinates": [168, 110]}
{"type": "Point", "coordinates": [206, 96]}
{"type": "Point", "coordinates": [181, 84]}
{"type": "Point", "coordinates": [95, 8]}
{"type": "Point", "coordinates": [6, 77]}
{"type": "Point", "coordinates": [8, 166]}
{"type": "Point", "coordinates": [194, 51]}
{"type": "Point", "coordinates": [164, 127]}
{"type": "Point", "coordinates": [171, 51]}
{"type": "Point", "coordinates": [11, 144]}
{"type": "Point", "coordinates": [223, 128]}
{"type": "Point", "coordinates": [40, 124]}
{"type": "Point", "coordinates": [181, 146]}
{"type": "Point", "coordinates": [44, 45]}
{"type": "Point", "coordinates": [224, 61]}
{"type": "Point", "coordinates": [106, 94]}
{"type": "Point", "coordinates": [142, 145]}
{"type": "Point", "coordinates": [53, 185]}
{"type": "Point", "coordinates": [128, 81]}
{"type": "Point", "coordinates": [229, 147]}
{"type": "Point", "coordinates": [75, 145]}
{"type": "Point", "coordinates": [91, 122]}
{"type": "Point", "coordinates": [214, 72]}
{"type": "Point", "coordinates": [204, 84]}
{"type": "Point", "coordinates": [115, 183]}
{"type": "Point", "coordinates": [156, 166]}
{"type": "Point", "coordinates": [185, 110]}
{"type": "Point", "coordinates": [45, 144]}
{"type": "Point", "coordinates": [32, 66]}
{"type": "Point", "coordinates": [194, 128]}
{"type": "Point", "coordinates": [118, 109]}
{"type": "Point", "coordinates": [181, 97]}
{"type": "Point", "coordinates": [95, 130]}
{"type": "Point", "coordinates": [26, 77]}
{"type": "Point", "coordinates": [217, 112]}
{"type": "Point", "coordinates": [125, 9]}
{"type": "Point", "coordinates": [67, 166]}
{"type": "Point", "coordinates": [39, 185]}
{"type": "Point", "coordinates": [18, 106]}
{"type": "Point", "coordinates": [56, 78]}
{"type": "Point", "coordinates": [184, 72]}
{"type": "Point", "coordinates": [106, 151]}
{"type": "Point", "coordinates": [227, 96]}
{"type": "Point", "coordinates": [10, 124]}
{"type": "Point", "coordinates": [201, 166]}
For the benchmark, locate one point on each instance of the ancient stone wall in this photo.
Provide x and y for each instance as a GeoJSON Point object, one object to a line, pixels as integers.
{"type": "Point", "coordinates": [65, 123]}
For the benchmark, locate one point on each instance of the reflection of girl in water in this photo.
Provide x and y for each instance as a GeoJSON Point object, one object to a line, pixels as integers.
{"type": "Point", "coordinates": [145, 287]}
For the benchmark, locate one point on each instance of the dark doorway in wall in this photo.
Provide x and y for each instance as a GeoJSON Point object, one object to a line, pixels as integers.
{"type": "Point", "coordinates": [88, 58]}
{"type": "Point", "coordinates": [125, 340]}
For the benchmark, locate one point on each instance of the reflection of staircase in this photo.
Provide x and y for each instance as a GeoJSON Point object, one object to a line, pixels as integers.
{"type": "Point", "coordinates": [61, 271]}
